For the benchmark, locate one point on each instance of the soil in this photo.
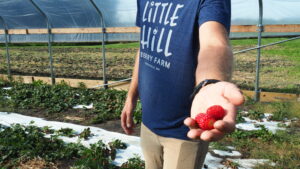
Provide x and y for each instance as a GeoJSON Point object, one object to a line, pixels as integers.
{"type": "Point", "coordinates": [70, 62]}
{"type": "Point", "coordinates": [86, 63]}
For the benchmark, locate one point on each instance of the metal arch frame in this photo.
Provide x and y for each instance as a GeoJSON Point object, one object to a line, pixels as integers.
{"type": "Point", "coordinates": [235, 53]}
{"type": "Point", "coordinates": [258, 48]}
{"type": "Point", "coordinates": [260, 30]}
{"type": "Point", "coordinates": [267, 45]}
{"type": "Point", "coordinates": [6, 46]}
{"type": "Point", "coordinates": [105, 83]}
{"type": "Point", "coordinates": [49, 26]}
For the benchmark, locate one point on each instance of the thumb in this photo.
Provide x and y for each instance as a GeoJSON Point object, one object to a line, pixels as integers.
{"type": "Point", "coordinates": [233, 94]}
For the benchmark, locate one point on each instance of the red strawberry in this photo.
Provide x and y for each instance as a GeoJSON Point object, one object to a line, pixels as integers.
{"type": "Point", "coordinates": [216, 111]}
{"type": "Point", "coordinates": [205, 121]}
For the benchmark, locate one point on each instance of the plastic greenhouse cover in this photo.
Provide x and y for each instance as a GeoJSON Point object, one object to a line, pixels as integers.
{"type": "Point", "coordinates": [21, 14]}
{"type": "Point", "coordinates": [120, 13]}
{"type": "Point", "coordinates": [245, 12]}
{"type": "Point", "coordinates": [1, 23]}
{"type": "Point", "coordinates": [70, 13]}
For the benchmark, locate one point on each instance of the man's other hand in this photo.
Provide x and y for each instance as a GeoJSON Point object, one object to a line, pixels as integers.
{"type": "Point", "coordinates": [127, 116]}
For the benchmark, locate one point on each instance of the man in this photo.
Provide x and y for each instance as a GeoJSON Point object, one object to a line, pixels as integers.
{"type": "Point", "coordinates": [184, 44]}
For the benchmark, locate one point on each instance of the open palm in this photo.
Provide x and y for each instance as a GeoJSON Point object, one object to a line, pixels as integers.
{"type": "Point", "coordinates": [224, 94]}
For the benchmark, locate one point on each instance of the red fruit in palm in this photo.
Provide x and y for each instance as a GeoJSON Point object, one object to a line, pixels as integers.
{"type": "Point", "coordinates": [216, 111]}
{"type": "Point", "coordinates": [204, 121]}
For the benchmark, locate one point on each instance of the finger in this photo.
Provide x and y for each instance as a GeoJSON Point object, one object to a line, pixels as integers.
{"type": "Point", "coordinates": [129, 121]}
{"type": "Point", "coordinates": [234, 95]}
{"type": "Point", "coordinates": [194, 133]}
{"type": "Point", "coordinates": [123, 122]}
{"type": "Point", "coordinates": [211, 135]}
{"type": "Point", "coordinates": [224, 126]}
{"type": "Point", "coordinates": [230, 115]}
{"type": "Point", "coordinates": [191, 123]}
{"type": "Point", "coordinates": [127, 130]}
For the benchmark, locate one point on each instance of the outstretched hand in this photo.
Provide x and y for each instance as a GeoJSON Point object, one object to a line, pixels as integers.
{"type": "Point", "coordinates": [224, 94]}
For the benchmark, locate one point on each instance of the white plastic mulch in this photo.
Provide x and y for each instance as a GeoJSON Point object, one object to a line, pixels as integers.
{"type": "Point", "coordinates": [133, 142]}
{"type": "Point", "coordinates": [254, 124]}
{"type": "Point", "coordinates": [133, 148]}
{"type": "Point", "coordinates": [81, 106]}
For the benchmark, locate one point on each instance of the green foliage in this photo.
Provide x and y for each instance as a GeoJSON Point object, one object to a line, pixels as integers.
{"type": "Point", "coordinates": [68, 132]}
{"type": "Point", "coordinates": [282, 111]}
{"type": "Point", "coordinates": [263, 134]}
{"type": "Point", "coordinates": [86, 133]}
{"type": "Point", "coordinates": [240, 118]}
{"type": "Point", "coordinates": [281, 148]}
{"type": "Point", "coordinates": [219, 146]}
{"type": "Point", "coordinates": [98, 156]}
{"type": "Point", "coordinates": [19, 143]}
{"type": "Point", "coordinates": [117, 144]}
{"type": "Point", "coordinates": [108, 104]}
{"type": "Point", "coordinates": [279, 110]}
{"type": "Point", "coordinates": [231, 164]}
{"type": "Point", "coordinates": [249, 101]}
{"type": "Point", "coordinates": [48, 130]}
{"type": "Point", "coordinates": [255, 115]}
{"type": "Point", "coordinates": [3, 83]}
{"type": "Point", "coordinates": [39, 95]}
{"type": "Point", "coordinates": [81, 85]}
{"type": "Point", "coordinates": [134, 163]}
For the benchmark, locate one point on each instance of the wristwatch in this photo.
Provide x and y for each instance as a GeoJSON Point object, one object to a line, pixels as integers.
{"type": "Point", "coordinates": [201, 85]}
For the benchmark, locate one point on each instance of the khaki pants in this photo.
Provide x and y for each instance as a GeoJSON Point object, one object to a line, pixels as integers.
{"type": "Point", "coordinates": [170, 153]}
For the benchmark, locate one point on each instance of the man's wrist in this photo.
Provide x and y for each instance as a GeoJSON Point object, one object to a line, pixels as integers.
{"type": "Point", "coordinates": [201, 85]}
{"type": "Point", "coordinates": [132, 98]}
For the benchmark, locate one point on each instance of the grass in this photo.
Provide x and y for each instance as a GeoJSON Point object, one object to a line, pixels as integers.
{"type": "Point", "coordinates": [280, 65]}
{"type": "Point", "coordinates": [282, 148]}
{"type": "Point", "coordinates": [280, 110]}
{"type": "Point", "coordinates": [79, 45]}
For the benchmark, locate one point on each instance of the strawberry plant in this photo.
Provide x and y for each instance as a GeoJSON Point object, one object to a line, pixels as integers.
{"type": "Point", "coordinates": [117, 144]}
{"type": "Point", "coordinates": [68, 132]}
{"type": "Point", "coordinates": [108, 104]}
{"type": "Point", "coordinates": [86, 133]}
{"type": "Point", "coordinates": [134, 163]}
{"type": "Point", "coordinates": [98, 156]}
{"type": "Point", "coordinates": [19, 144]}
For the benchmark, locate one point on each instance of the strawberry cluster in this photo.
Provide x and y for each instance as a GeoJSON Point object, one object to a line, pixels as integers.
{"type": "Point", "coordinates": [206, 120]}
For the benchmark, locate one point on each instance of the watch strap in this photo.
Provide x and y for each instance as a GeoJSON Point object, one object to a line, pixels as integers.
{"type": "Point", "coordinates": [201, 85]}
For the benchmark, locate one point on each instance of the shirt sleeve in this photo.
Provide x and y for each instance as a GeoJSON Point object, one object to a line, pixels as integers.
{"type": "Point", "coordinates": [215, 10]}
{"type": "Point", "coordinates": [138, 18]}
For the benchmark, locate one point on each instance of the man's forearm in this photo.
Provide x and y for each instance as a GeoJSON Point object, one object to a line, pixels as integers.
{"type": "Point", "coordinates": [132, 94]}
{"type": "Point", "coordinates": [214, 62]}
{"type": "Point", "coordinates": [215, 58]}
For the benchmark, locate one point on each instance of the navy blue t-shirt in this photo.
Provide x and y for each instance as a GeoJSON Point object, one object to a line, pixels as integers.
{"type": "Point", "coordinates": [169, 46]}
